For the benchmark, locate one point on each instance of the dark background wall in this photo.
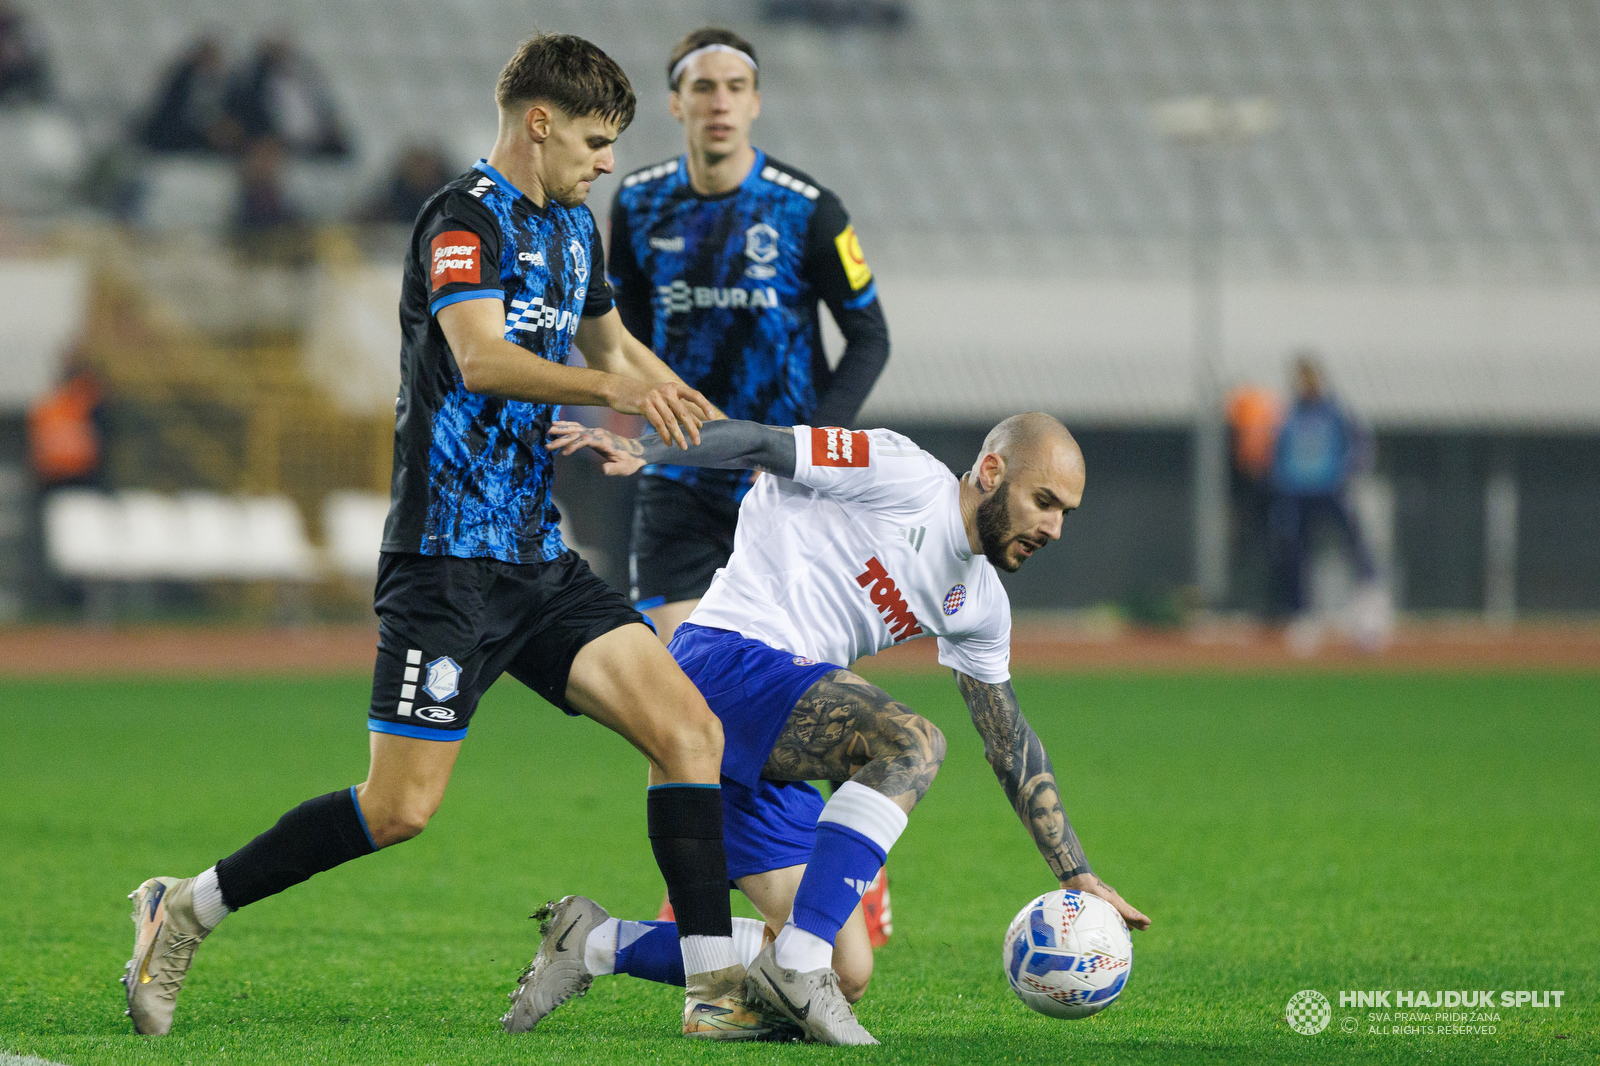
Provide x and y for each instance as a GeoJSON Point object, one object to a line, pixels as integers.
{"type": "Point", "coordinates": [1130, 542]}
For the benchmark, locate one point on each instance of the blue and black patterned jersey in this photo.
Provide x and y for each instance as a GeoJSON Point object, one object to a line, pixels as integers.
{"type": "Point", "coordinates": [725, 289]}
{"type": "Point", "coordinates": [471, 475]}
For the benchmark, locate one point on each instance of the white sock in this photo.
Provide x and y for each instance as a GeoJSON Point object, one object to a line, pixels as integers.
{"type": "Point", "coordinates": [209, 906]}
{"type": "Point", "coordinates": [707, 954]}
{"type": "Point", "coordinates": [749, 936]}
{"type": "Point", "coordinates": [600, 950]}
{"type": "Point", "coordinates": [797, 949]}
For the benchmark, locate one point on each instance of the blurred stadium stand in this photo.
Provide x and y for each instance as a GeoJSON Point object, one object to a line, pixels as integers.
{"type": "Point", "coordinates": [1427, 217]}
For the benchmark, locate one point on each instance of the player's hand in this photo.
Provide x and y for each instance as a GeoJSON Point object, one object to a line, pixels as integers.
{"type": "Point", "coordinates": [673, 409]}
{"type": "Point", "coordinates": [619, 456]}
{"type": "Point", "coordinates": [1092, 883]}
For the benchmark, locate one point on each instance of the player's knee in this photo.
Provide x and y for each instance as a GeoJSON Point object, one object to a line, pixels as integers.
{"type": "Point", "coordinates": [930, 742]}
{"type": "Point", "coordinates": [399, 822]}
{"type": "Point", "coordinates": [854, 979]}
{"type": "Point", "coordinates": [691, 741]}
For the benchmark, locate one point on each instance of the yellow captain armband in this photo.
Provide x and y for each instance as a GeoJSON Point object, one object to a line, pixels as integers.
{"type": "Point", "coordinates": [854, 260]}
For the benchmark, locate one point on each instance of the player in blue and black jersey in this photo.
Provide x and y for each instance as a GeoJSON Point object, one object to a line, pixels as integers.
{"type": "Point", "coordinates": [504, 273]}
{"type": "Point", "coordinates": [719, 259]}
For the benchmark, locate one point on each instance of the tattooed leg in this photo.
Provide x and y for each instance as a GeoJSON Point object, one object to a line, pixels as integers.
{"type": "Point", "coordinates": [846, 729]}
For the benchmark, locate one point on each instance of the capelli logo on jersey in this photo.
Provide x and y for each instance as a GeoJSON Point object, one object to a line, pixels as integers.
{"type": "Point", "coordinates": [680, 297]}
{"type": "Point", "coordinates": [886, 596]}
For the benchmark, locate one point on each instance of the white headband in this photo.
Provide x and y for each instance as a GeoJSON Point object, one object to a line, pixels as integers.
{"type": "Point", "coordinates": [672, 79]}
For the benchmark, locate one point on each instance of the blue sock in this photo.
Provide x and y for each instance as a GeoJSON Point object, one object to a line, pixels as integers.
{"type": "Point", "coordinates": [842, 865]}
{"type": "Point", "coordinates": [854, 834]}
{"type": "Point", "coordinates": [650, 950]}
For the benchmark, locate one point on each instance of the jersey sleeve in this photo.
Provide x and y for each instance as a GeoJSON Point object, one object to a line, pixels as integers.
{"type": "Point", "coordinates": [461, 245]}
{"type": "Point", "coordinates": [597, 301]}
{"type": "Point", "coordinates": [874, 466]}
{"type": "Point", "coordinates": [837, 271]}
{"type": "Point", "coordinates": [985, 653]}
{"type": "Point", "coordinates": [833, 260]}
{"type": "Point", "coordinates": [629, 286]}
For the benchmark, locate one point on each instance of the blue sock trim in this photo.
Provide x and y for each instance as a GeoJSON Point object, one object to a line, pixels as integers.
{"type": "Point", "coordinates": [357, 801]}
{"type": "Point", "coordinates": [680, 784]}
{"type": "Point", "coordinates": [654, 956]}
{"type": "Point", "coordinates": [420, 732]}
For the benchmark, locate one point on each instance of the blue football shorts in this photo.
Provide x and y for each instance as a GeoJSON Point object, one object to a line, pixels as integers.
{"type": "Point", "coordinates": [752, 687]}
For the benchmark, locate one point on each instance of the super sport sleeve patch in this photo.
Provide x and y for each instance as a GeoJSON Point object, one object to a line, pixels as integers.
{"type": "Point", "coordinates": [456, 257]}
{"type": "Point", "coordinates": [832, 446]}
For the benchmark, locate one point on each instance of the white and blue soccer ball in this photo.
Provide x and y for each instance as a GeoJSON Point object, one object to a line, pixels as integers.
{"type": "Point", "coordinates": [1068, 954]}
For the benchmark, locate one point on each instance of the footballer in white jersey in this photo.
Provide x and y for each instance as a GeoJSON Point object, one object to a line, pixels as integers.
{"type": "Point", "coordinates": [855, 541]}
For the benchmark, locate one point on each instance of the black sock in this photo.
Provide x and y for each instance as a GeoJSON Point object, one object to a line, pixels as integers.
{"type": "Point", "coordinates": [686, 835]}
{"type": "Point", "coordinates": [318, 835]}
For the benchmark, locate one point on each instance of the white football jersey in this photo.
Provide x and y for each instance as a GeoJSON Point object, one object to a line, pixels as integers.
{"type": "Point", "coordinates": [862, 550]}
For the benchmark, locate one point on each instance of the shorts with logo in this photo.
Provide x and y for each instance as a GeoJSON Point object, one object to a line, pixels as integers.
{"type": "Point", "coordinates": [682, 534]}
{"type": "Point", "coordinates": [753, 687]}
{"type": "Point", "coordinates": [449, 627]}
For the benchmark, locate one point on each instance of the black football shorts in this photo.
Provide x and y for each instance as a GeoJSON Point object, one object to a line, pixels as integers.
{"type": "Point", "coordinates": [682, 534]}
{"type": "Point", "coordinates": [448, 627]}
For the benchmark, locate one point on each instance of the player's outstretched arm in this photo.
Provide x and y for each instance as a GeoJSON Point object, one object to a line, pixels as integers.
{"type": "Point", "coordinates": [728, 444]}
{"type": "Point", "coordinates": [490, 364]}
{"type": "Point", "coordinates": [1020, 762]}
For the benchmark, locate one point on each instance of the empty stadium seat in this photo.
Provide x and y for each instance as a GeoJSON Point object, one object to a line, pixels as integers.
{"type": "Point", "coordinates": [353, 526]}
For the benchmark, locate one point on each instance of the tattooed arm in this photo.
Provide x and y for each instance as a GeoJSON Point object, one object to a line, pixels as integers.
{"type": "Point", "coordinates": [1020, 762]}
{"type": "Point", "coordinates": [728, 444]}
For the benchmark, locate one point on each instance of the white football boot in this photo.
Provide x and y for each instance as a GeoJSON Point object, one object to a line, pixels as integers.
{"type": "Point", "coordinates": [810, 1000]}
{"type": "Point", "coordinates": [557, 972]}
{"type": "Point", "coordinates": [166, 934]}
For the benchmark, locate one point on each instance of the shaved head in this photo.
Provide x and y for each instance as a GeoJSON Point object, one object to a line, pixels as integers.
{"type": "Point", "coordinates": [1028, 476]}
{"type": "Point", "coordinates": [1031, 440]}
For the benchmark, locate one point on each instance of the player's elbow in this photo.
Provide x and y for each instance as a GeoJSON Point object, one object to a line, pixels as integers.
{"type": "Point", "coordinates": [476, 369]}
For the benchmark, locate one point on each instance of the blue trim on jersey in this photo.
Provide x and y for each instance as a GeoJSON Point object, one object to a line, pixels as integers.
{"type": "Point", "coordinates": [650, 603]}
{"type": "Point", "coordinates": [679, 784]}
{"type": "Point", "coordinates": [856, 303]}
{"type": "Point", "coordinates": [499, 178]}
{"type": "Point", "coordinates": [357, 801]}
{"type": "Point", "coordinates": [459, 297]}
{"type": "Point", "coordinates": [400, 729]}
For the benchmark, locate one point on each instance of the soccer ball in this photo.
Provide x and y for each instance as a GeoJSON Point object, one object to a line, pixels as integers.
{"type": "Point", "coordinates": [1068, 954]}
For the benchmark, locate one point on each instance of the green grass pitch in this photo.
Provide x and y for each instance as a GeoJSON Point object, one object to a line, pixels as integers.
{"type": "Point", "coordinates": [1423, 832]}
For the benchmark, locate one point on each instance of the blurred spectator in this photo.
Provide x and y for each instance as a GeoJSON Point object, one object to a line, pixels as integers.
{"type": "Point", "coordinates": [281, 94]}
{"type": "Point", "coordinates": [1318, 450]}
{"type": "Point", "coordinates": [66, 430]}
{"type": "Point", "coordinates": [267, 224]}
{"type": "Point", "coordinates": [1254, 413]}
{"type": "Point", "coordinates": [420, 172]}
{"type": "Point", "coordinates": [187, 114]}
{"type": "Point", "coordinates": [24, 69]}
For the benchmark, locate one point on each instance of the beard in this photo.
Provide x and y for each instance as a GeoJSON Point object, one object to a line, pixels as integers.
{"type": "Point", "coordinates": [994, 528]}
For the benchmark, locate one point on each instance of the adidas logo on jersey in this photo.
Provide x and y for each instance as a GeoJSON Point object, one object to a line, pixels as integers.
{"type": "Point", "coordinates": [680, 297]}
{"type": "Point", "coordinates": [891, 604]}
{"type": "Point", "coordinates": [914, 536]}
{"type": "Point", "coordinates": [859, 885]}
{"type": "Point", "coordinates": [530, 315]}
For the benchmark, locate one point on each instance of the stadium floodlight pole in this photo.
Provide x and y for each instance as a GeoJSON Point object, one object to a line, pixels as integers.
{"type": "Point", "coordinates": [1204, 126]}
